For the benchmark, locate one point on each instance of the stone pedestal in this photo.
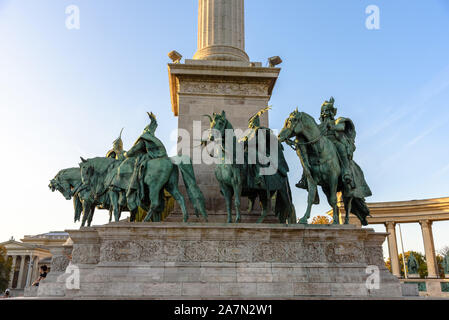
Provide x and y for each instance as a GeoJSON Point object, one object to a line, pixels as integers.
{"type": "Point", "coordinates": [218, 261]}
{"type": "Point", "coordinates": [54, 284]}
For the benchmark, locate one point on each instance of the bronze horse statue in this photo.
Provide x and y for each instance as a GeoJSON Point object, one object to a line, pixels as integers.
{"type": "Point", "coordinates": [320, 161]}
{"type": "Point", "coordinates": [232, 177]}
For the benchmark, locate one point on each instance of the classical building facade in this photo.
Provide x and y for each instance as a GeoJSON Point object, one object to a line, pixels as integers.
{"type": "Point", "coordinates": [29, 254]}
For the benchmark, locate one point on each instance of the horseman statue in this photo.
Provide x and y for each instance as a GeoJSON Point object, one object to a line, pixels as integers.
{"type": "Point", "coordinates": [147, 147]}
{"type": "Point", "coordinates": [261, 139]}
{"type": "Point", "coordinates": [342, 134]}
{"type": "Point", "coordinates": [256, 177]}
{"type": "Point", "coordinates": [326, 154]}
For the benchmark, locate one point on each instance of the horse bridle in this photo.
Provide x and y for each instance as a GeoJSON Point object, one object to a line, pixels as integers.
{"type": "Point", "coordinates": [309, 142]}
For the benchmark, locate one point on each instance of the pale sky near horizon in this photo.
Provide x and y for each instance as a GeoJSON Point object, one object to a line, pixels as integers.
{"type": "Point", "coordinates": [67, 93]}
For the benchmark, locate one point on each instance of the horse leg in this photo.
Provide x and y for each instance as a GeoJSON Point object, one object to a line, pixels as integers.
{"type": "Point", "coordinates": [348, 210]}
{"type": "Point", "coordinates": [157, 183]}
{"type": "Point", "coordinates": [310, 200]}
{"type": "Point", "coordinates": [264, 204]}
{"type": "Point", "coordinates": [91, 216]}
{"type": "Point", "coordinates": [115, 206]}
{"type": "Point", "coordinates": [237, 194]}
{"type": "Point", "coordinates": [86, 211]}
{"type": "Point", "coordinates": [251, 200]}
{"type": "Point", "coordinates": [331, 194]}
{"type": "Point", "coordinates": [227, 193]}
{"type": "Point", "coordinates": [132, 217]}
{"type": "Point", "coordinates": [172, 188]}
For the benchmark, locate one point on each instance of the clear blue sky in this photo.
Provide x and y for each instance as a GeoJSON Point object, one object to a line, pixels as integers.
{"type": "Point", "coordinates": [67, 93]}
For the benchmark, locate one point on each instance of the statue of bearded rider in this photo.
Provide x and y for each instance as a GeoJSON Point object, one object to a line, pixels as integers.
{"type": "Point", "coordinates": [342, 133]}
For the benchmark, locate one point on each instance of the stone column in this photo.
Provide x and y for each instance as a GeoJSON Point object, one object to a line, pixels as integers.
{"type": "Point", "coordinates": [221, 30]}
{"type": "Point", "coordinates": [22, 267]}
{"type": "Point", "coordinates": [35, 272]}
{"type": "Point", "coordinates": [13, 268]}
{"type": "Point", "coordinates": [429, 247]}
{"type": "Point", "coordinates": [27, 283]}
{"type": "Point", "coordinates": [393, 248]}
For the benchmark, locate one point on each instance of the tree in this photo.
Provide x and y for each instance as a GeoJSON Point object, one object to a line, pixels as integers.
{"type": "Point", "coordinates": [422, 265]}
{"type": "Point", "coordinates": [5, 269]}
{"type": "Point", "coordinates": [322, 220]}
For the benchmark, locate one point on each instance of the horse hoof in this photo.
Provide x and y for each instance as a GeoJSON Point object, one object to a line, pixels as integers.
{"type": "Point", "coordinates": [237, 220]}
{"type": "Point", "coordinates": [303, 221]}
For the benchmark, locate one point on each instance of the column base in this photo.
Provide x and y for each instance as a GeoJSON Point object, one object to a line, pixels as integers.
{"type": "Point", "coordinates": [223, 53]}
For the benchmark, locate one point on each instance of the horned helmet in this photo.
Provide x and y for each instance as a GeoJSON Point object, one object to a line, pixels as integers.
{"type": "Point", "coordinates": [328, 110]}
{"type": "Point", "coordinates": [151, 128]}
{"type": "Point", "coordinates": [117, 145]}
{"type": "Point", "coordinates": [254, 121]}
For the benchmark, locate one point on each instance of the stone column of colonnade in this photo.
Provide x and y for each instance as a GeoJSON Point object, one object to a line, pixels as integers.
{"type": "Point", "coordinates": [393, 248]}
{"type": "Point", "coordinates": [35, 272]}
{"type": "Point", "coordinates": [13, 268]}
{"type": "Point", "coordinates": [20, 281]}
{"type": "Point", "coordinates": [221, 30]}
{"type": "Point", "coordinates": [429, 247]}
{"type": "Point", "coordinates": [30, 269]}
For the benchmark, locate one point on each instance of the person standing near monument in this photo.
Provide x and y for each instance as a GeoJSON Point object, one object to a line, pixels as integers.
{"type": "Point", "coordinates": [42, 276]}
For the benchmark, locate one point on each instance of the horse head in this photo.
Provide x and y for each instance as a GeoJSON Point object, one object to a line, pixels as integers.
{"type": "Point", "coordinates": [87, 170]}
{"type": "Point", "coordinates": [292, 126]}
{"type": "Point", "coordinates": [63, 187]}
{"type": "Point", "coordinates": [218, 125]}
{"type": "Point", "coordinates": [53, 185]}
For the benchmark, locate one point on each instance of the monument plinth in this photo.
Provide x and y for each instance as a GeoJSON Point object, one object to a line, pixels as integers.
{"type": "Point", "coordinates": [173, 260]}
{"type": "Point", "coordinates": [207, 261]}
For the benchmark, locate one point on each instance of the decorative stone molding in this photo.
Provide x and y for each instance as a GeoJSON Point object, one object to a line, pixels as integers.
{"type": "Point", "coordinates": [171, 260]}
{"type": "Point", "coordinates": [231, 88]}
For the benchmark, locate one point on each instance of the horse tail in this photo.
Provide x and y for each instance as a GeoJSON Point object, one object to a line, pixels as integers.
{"type": "Point", "coordinates": [284, 207]}
{"type": "Point", "coordinates": [194, 193]}
{"type": "Point", "coordinates": [361, 210]}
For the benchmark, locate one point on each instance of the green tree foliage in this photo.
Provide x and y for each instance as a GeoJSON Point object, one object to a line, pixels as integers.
{"type": "Point", "coordinates": [5, 269]}
{"type": "Point", "coordinates": [422, 269]}
{"type": "Point", "coordinates": [322, 220]}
